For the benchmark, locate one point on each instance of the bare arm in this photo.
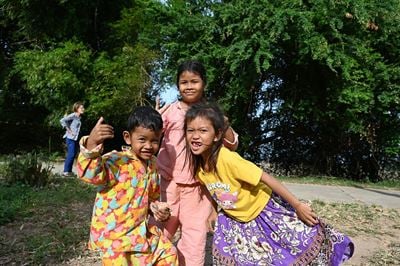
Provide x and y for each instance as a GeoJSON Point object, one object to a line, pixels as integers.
{"type": "Point", "coordinates": [304, 212]}
{"type": "Point", "coordinates": [212, 217]}
{"type": "Point", "coordinates": [231, 140]}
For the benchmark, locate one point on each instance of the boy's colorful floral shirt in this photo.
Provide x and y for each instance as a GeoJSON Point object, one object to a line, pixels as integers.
{"type": "Point", "coordinates": [125, 189]}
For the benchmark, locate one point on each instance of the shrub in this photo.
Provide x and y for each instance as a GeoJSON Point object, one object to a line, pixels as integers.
{"type": "Point", "coordinates": [29, 169]}
{"type": "Point", "coordinates": [13, 199]}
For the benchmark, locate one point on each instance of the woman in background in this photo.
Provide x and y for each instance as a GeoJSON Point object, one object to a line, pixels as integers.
{"type": "Point", "coordinates": [72, 125]}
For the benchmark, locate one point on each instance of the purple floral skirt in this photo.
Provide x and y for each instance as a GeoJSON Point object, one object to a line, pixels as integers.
{"type": "Point", "coordinates": [277, 237]}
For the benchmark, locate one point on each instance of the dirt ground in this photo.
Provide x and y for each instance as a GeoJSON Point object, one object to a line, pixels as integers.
{"type": "Point", "coordinates": [375, 232]}
{"type": "Point", "coordinates": [364, 248]}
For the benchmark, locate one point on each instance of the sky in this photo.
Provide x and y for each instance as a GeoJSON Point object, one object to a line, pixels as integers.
{"type": "Point", "coordinates": [169, 95]}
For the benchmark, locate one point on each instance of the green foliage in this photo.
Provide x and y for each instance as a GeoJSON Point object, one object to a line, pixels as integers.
{"type": "Point", "coordinates": [92, 55]}
{"type": "Point", "coordinates": [36, 23]}
{"type": "Point", "coordinates": [316, 82]}
{"type": "Point", "coordinates": [111, 86]}
{"type": "Point", "coordinates": [13, 199]}
{"type": "Point", "coordinates": [55, 78]}
{"type": "Point", "coordinates": [313, 83]}
{"type": "Point", "coordinates": [27, 169]}
{"type": "Point", "coordinates": [120, 83]}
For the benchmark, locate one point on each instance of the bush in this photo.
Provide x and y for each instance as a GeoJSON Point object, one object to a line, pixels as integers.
{"type": "Point", "coordinates": [13, 199]}
{"type": "Point", "coordinates": [28, 169]}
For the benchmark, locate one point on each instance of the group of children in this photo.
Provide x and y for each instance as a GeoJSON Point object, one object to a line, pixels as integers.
{"type": "Point", "coordinates": [196, 179]}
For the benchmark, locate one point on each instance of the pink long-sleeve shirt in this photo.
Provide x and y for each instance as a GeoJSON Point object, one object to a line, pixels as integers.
{"type": "Point", "coordinates": [171, 159]}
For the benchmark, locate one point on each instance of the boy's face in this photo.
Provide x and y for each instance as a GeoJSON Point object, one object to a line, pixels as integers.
{"type": "Point", "coordinates": [143, 141]}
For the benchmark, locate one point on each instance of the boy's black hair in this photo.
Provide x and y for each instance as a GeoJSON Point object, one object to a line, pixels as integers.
{"type": "Point", "coordinates": [146, 117]}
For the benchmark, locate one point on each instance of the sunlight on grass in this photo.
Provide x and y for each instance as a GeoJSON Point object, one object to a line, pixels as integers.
{"type": "Point", "coordinates": [330, 180]}
{"type": "Point", "coordinates": [355, 219]}
{"type": "Point", "coordinates": [48, 223]}
{"type": "Point", "coordinates": [49, 226]}
{"type": "Point", "coordinates": [388, 256]}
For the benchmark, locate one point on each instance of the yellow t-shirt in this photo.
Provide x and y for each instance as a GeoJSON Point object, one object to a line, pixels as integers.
{"type": "Point", "coordinates": [236, 187]}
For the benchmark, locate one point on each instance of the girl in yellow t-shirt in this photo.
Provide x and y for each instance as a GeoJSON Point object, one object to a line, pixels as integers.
{"type": "Point", "coordinates": [259, 221]}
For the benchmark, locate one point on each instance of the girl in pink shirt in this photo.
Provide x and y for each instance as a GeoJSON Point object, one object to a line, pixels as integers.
{"type": "Point", "coordinates": [188, 200]}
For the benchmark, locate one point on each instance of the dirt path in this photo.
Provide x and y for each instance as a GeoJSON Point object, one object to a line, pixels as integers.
{"type": "Point", "coordinates": [365, 247]}
{"type": "Point", "coordinates": [46, 231]}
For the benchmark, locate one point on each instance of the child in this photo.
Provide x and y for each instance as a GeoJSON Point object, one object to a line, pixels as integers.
{"type": "Point", "coordinates": [259, 222]}
{"type": "Point", "coordinates": [127, 184]}
{"type": "Point", "coordinates": [72, 125]}
{"type": "Point", "coordinates": [190, 206]}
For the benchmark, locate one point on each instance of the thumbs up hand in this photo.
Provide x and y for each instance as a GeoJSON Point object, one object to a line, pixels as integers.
{"type": "Point", "coordinates": [99, 133]}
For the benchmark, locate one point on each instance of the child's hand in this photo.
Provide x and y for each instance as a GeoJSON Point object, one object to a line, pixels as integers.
{"type": "Point", "coordinates": [161, 211]}
{"type": "Point", "coordinates": [157, 107]}
{"type": "Point", "coordinates": [211, 221]}
{"type": "Point", "coordinates": [306, 214]}
{"type": "Point", "coordinates": [99, 133]}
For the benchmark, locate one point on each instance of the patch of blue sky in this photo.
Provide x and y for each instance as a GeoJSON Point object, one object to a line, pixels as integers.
{"type": "Point", "coordinates": [169, 95]}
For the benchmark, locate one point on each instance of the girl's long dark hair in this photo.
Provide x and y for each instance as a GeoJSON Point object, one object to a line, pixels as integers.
{"type": "Point", "coordinates": [192, 66]}
{"type": "Point", "coordinates": [195, 67]}
{"type": "Point", "coordinates": [214, 114]}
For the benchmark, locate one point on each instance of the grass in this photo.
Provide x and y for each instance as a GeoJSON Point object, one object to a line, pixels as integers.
{"type": "Point", "coordinates": [44, 226]}
{"type": "Point", "coordinates": [388, 256]}
{"type": "Point", "coordinates": [357, 219]}
{"type": "Point", "coordinates": [335, 181]}
{"type": "Point", "coordinates": [50, 225]}
{"type": "Point", "coordinates": [12, 201]}
{"type": "Point", "coordinates": [366, 222]}
{"type": "Point", "coordinates": [23, 200]}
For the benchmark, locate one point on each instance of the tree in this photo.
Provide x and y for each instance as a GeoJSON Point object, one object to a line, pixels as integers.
{"type": "Point", "coordinates": [55, 78]}
{"type": "Point", "coordinates": [326, 73]}
{"type": "Point", "coordinates": [93, 54]}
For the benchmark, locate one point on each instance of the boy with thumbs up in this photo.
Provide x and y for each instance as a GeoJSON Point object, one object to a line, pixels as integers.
{"type": "Point", "coordinates": [127, 185]}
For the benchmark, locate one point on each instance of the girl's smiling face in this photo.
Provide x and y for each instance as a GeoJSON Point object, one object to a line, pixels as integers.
{"type": "Point", "coordinates": [191, 87]}
{"type": "Point", "coordinates": [200, 135]}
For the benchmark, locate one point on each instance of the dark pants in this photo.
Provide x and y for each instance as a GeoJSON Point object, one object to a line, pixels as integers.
{"type": "Point", "coordinates": [72, 148]}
